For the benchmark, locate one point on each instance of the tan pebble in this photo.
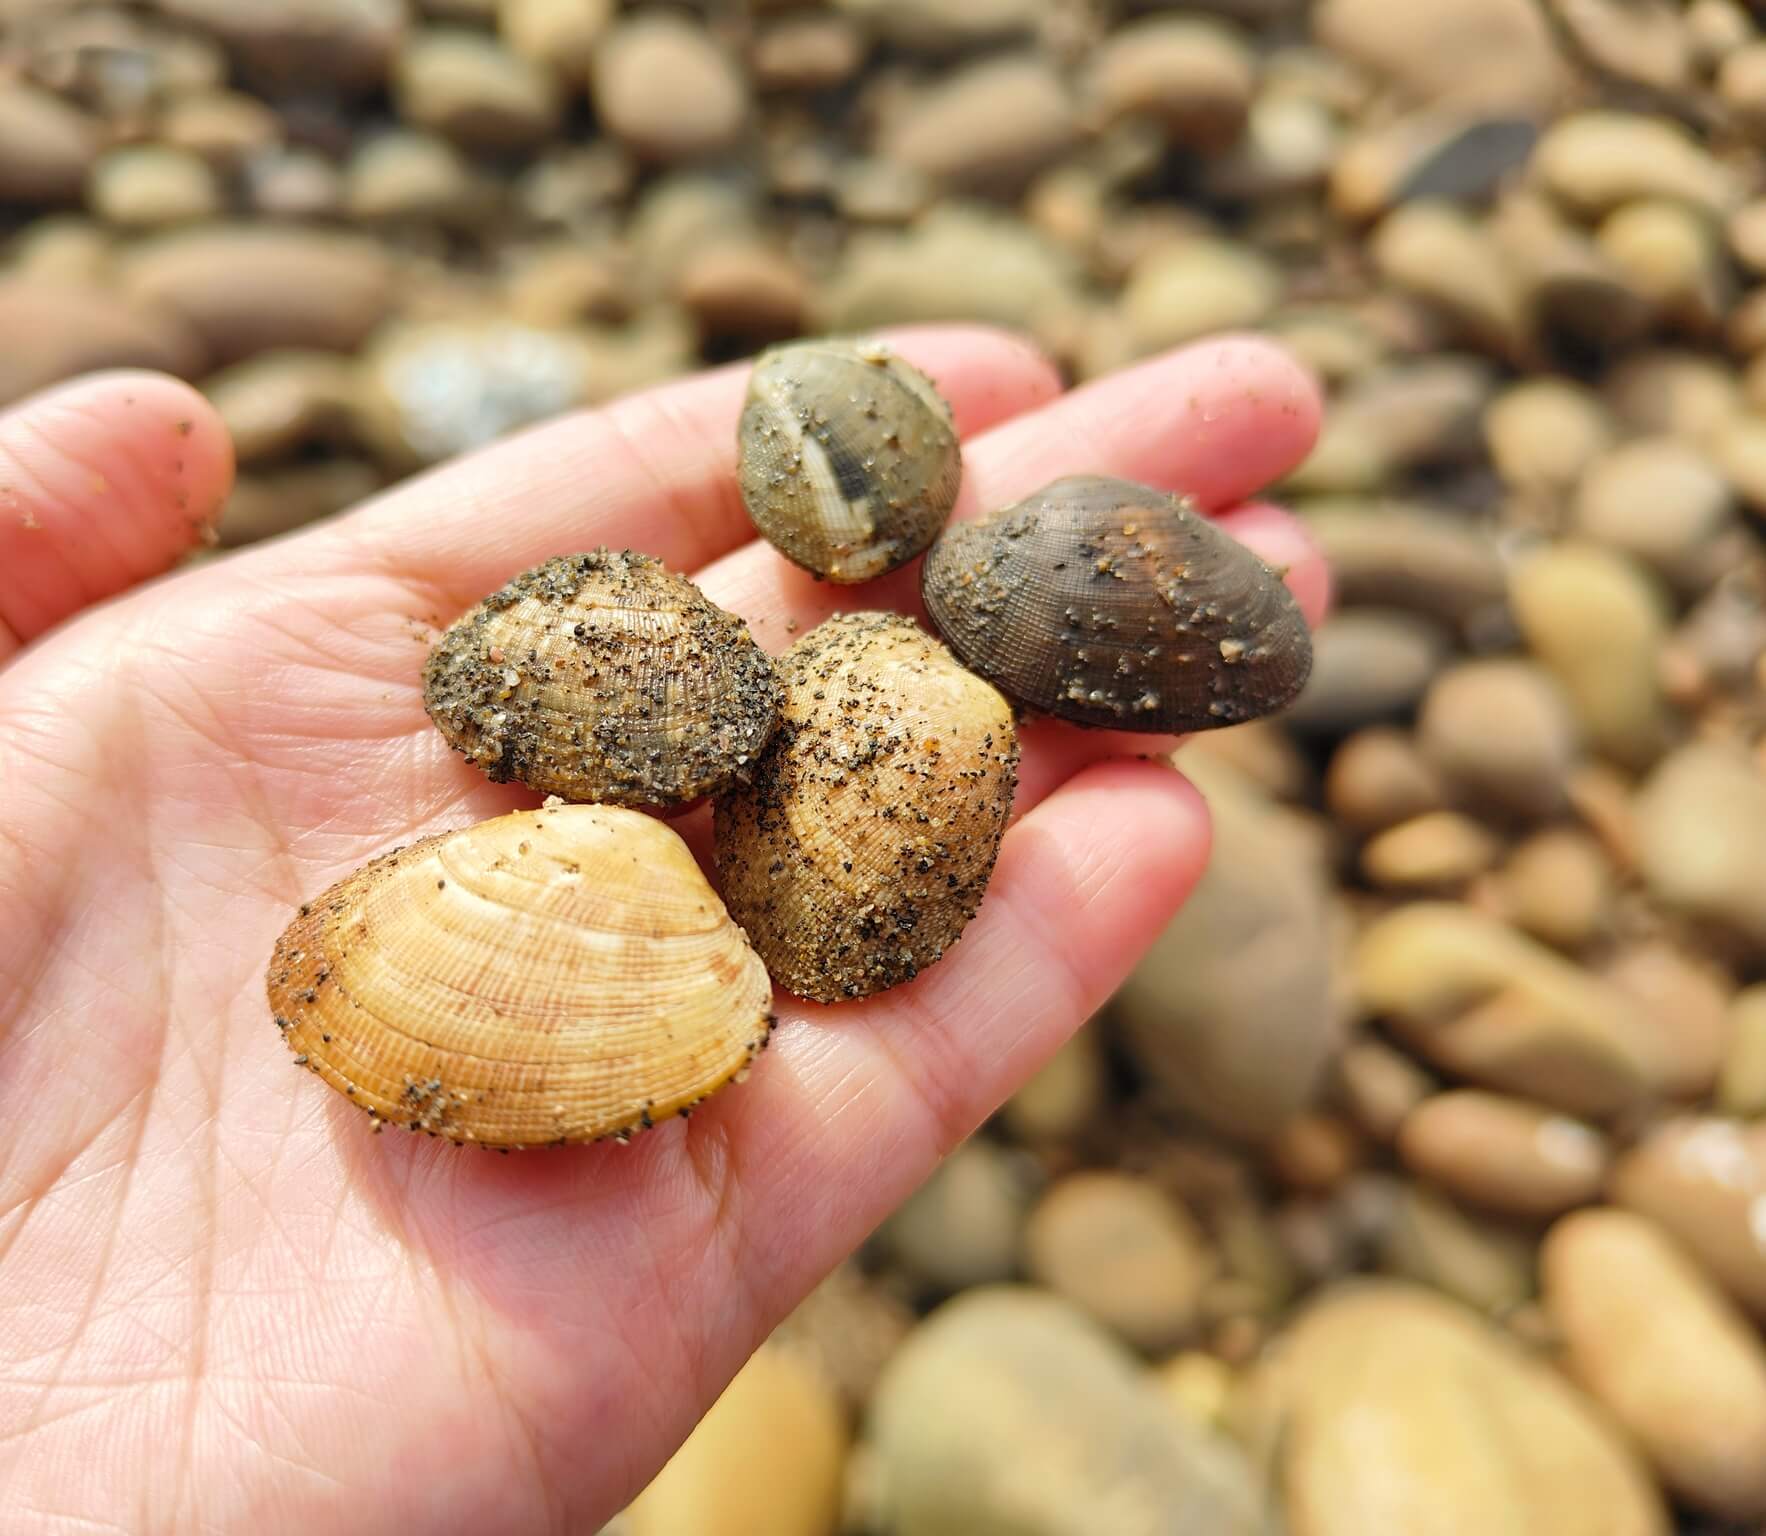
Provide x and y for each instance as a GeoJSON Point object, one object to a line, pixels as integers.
{"type": "Point", "coordinates": [806, 52]}
{"type": "Point", "coordinates": [1740, 451]}
{"type": "Point", "coordinates": [67, 249]}
{"type": "Point", "coordinates": [1501, 734]}
{"type": "Point", "coordinates": [1193, 77]}
{"type": "Point", "coordinates": [744, 288]}
{"type": "Point", "coordinates": [570, 186]}
{"type": "Point", "coordinates": [1741, 1086]}
{"type": "Point", "coordinates": [962, 1226]}
{"type": "Point", "coordinates": [1558, 885]}
{"type": "Point", "coordinates": [293, 183]}
{"type": "Point", "coordinates": [1704, 1179]}
{"type": "Point", "coordinates": [1379, 1086]}
{"type": "Point", "coordinates": [1195, 289]}
{"type": "Point", "coordinates": [421, 177]}
{"type": "Point", "coordinates": [1595, 161]}
{"type": "Point", "coordinates": [278, 402]}
{"type": "Point", "coordinates": [1543, 432]}
{"type": "Point", "coordinates": [57, 329]}
{"type": "Point", "coordinates": [1472, 1256]}
{"type": "Point", "coordinates": [1662, 500]}
{"type": "Point", "coordinates": [473, 90]}
{"type": "Point", "coordinates": [1741, 86]}
{"type": "Point", "coordinates": [1714, 29]}
{"type": "Point", "coordinates": [766, 1460]}
{"type": "Point", "coordinates": [1263, 751]}
{"type": "Point", "coordinates": [1572, 288]}
{"type": "Point", "coordinates": [936, 26]}
{"type": "Point", "coordinates": [1602, 799]}
{"type": "Point", "coordinates": [1673, 393]}
{"type": "Point", "coordinates": [1314, 1152]}
{"type": "Point", "coordinates": [1386, 1408]}
{"type": "Point", "coordinates": [1200, 1386]}
{"type": "Point", "coordinates": [563, 283]}
{"type": "Point", "coordinates": [1118, 1249]}
{"type": "Point", "coordinates": [1481, 1000]}
{"type": "Point", "coordinates": [46, 146]}
{"type": "Point", "coordinates": [993, 124]}
{"type": "Point", "coordinates": [1437, 252]}
{"type": "Point", "coordinates": [1464, 52]}
{"type": "Point", "coordinates": [1334, 342]}
{"type": "Point", "coordinates": [558, 34]}
{"type": "Point", "coordinates": [1685, 1013]}
{"type": "Point", "coordinates": [1673, 256]}
{"type": "Point", "coordinates": [265, 503]}
{"type": "Point", "coordinates": [1644, 42]}
{"type": "Point", "coordinates": [1598, 621]}
{"type": "Point", "coordinates": [1666, 1353]}
{"type": "Point", "coordinates": [223, 127]}
{"type": "Point", "coordinates": [247, 288]}
{"type": "Point", "coordinates": [1421, 412]}
{"type": "Point", "coordinates": [1059, 1101]}
{"type": "Point", "coordinates": [1503, 1153]}
{"type": "Point", "coordinates": [1231, 1011]}
{"type": "Point", "coordinates": [956, 262]}
{"type": "Point", "coordinates": [1368, 664]}
{"type": "Point", "coordinates": [1009, 1410]}
{"type": "Point", "coordinates": [345, 43]}
{"type": "Point", "coordinates": [150, 185]}
{"type": "Point", "coordinates": [1433, 852]}
{"type": "Point", "coordinates": [667, 90]}
{"type": "Point", "coordinates": [1378, 778]}
{"type": "Point", "coordinates": [1746, 231]}
{"type": "Point", "coordinates": [1702, 837]}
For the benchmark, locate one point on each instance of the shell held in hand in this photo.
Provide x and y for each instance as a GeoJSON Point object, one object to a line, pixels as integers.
{"type": "Point", "coordinates": [861, 846]}
{"type": "Point", "coordinates": [551, 976]}
{"type": "Point", "coordinates": [603, 677]}
{"type": "Point", "coordinates": [847, 457]}
{"type": "Point", "coordinates": [1112, 604]}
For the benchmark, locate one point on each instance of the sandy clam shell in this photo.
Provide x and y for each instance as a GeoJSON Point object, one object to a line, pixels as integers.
{"type": "Point", "coordinates": [861, 846]}
{"type": "Point", "coordinates": [549, 976]}
{"type": "Point", "coordinates": [847, 457]}
{"type": "Point", "coordinates": [1112, 604]}
{"type": "Point", "coordinates": [603, 677]}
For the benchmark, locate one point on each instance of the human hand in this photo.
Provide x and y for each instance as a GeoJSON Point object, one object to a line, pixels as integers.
{"type": "Point", "coordinates": [224, 1304]}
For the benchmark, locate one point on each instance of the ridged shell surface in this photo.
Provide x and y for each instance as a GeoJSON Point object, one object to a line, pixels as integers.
{"type": "Point", "coordinates": [1112, 604]}
{"type": "Point", "coordinates": [860, 848]}
{"type": "Point", "coordinates": [603, 677]}
{"type": "Point", "coordinates": [551, 976]}
{"type": "Point", "coordinates": [847, 457]}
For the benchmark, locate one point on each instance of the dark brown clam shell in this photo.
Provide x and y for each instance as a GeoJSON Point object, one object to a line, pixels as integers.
{"type": "Point", "coordinates": [1112, 604]}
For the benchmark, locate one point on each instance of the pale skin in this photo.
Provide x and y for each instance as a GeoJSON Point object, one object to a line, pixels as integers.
{"type": "Point", "coordinates": [225, 1304]}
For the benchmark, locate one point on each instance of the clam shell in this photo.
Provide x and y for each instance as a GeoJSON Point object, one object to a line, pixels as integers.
{"type": "Point", "coordinates": [864, 840]}
{"type": "Point", "coordinates": [1112, 604]}
{"type": "Point", "coordinates": [847, 457]}
{"type": "Point", "coordinates": [603, 677]}
{"type": "Point", "coordinates": [551, 976]}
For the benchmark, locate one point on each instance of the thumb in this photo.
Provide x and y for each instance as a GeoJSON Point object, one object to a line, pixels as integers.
{"type": "Point", "coordinates": [104, 482]}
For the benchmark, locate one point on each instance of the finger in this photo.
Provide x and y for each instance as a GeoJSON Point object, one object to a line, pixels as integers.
{"type": "Point", "coordinates": [656, 472]}
{"type": "Point", "coordinates": [1166, 422]}
{"type": "Point", "coordinates": [103, 482]}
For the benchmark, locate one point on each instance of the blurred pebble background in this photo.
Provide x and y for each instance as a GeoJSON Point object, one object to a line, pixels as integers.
{"type": "Point", "coordinates": [1416, 1183]}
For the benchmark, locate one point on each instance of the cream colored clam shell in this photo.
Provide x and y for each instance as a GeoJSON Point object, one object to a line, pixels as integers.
{"type": "Point", "coordinates": [862, 844]}
{"type": "Point", "coordinates": [549, 976]}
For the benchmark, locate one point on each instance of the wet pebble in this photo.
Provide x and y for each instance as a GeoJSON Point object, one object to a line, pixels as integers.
{"type": "Point", "coordinates": [1503, 1153]}
{"type": "Point", "coordinates": [1009, 1410]}
{"type": "Point", "coordinates": [991, 125]}
{"type": "Point", "coordinates": [1500, 732]}
{"type": "Point", "coordinates": [1368, 664]}
{"type": "Point", "coordinates": [1666, 1353]}
{"type": "Point", "coordinates": [1118, 1249]}
{"type": "Point", "coordinates": [1702, 838]}
{"type": "Point", "coordinates": [471, 89]}
{"type": "Point", "coordinates": [667, 90]}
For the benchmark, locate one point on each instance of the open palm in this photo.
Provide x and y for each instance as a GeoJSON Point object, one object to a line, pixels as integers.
{"type": "Point", "coordinates": [224, 1304]}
